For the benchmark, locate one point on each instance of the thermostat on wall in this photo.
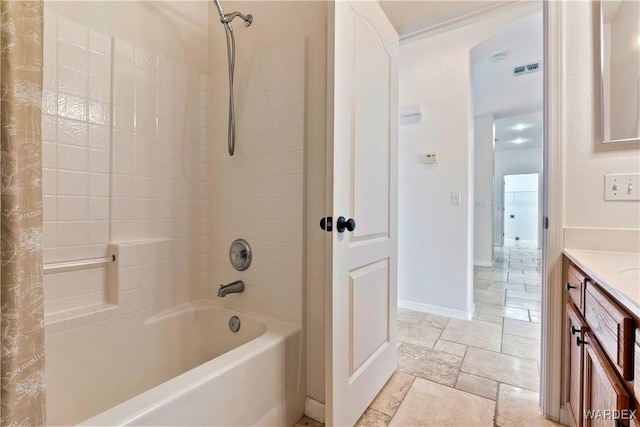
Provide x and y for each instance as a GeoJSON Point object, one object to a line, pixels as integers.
{"type": "Point", "coordinates": [430, 158]}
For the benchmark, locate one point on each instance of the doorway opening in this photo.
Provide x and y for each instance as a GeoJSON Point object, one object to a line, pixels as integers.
{"type": "Point", "coordinates": [520, 214]}
{"type": "Point", "coordinates": [508, 181]}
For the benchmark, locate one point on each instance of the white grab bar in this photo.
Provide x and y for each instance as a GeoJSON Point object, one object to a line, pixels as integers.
{"type": "Point", "coordinates": [77, 265]}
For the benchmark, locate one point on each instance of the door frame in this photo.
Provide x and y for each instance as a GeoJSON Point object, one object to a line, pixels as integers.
{"type": "Point", "coordinates": [552, 202]}
{"type": "Point", "coordinates": [553, 13]}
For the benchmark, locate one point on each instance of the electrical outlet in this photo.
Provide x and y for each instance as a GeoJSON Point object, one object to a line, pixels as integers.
{"type": "Point", "coordinates": [622, 186]}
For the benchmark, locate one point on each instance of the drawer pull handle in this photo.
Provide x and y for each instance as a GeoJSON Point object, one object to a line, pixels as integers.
{"type": "Point", "coordinates": [569, 286]}
{"type": "Point", "coordinates": [574, 330]}
{"type": "Point", "coordinates": [579, 342]}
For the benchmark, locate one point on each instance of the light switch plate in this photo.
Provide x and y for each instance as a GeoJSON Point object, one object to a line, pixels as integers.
{"type": "Point", "coordinates": [622, 186]}
{"type": "Point", "coordinates": [456, 197]}
{"type": "Point", "coordinates": [430, 158]}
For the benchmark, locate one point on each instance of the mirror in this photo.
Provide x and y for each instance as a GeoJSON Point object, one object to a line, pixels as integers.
{"type": "Point", "coordinates": [620, 67]}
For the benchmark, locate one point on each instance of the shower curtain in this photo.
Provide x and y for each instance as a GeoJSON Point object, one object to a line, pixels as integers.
{"type": "Point", "coordinates": [22, 379]}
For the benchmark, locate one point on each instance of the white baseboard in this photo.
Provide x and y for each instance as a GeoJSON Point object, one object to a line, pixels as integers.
{"type": "Point", "coordinates": [483, 263]}
{"type": "Point", "coordinates": [435, 309]}
{"type": "Point", "coordinates": [314, 409]}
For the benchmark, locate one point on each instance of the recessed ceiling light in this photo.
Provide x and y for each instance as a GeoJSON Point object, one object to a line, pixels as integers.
{"type": "Point", "coordinates": [519, 140]}
{"type": "Point", "coordinates": [520, 126]}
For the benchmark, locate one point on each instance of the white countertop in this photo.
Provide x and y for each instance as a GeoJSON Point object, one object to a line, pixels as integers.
{"type": "Point", "coordinates": [617, 272]}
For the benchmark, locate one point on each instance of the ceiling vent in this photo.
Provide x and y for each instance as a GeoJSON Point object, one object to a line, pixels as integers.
{"type": "Point", "coordinates": [528, 68]}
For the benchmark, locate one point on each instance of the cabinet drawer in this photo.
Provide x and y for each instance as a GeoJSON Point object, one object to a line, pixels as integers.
{"type": "Point", "coordinates": [575, 287]}
{"type": "Point", "coordinates": [605, 398]}
{"type": "Point", "coordinates": [612, 326]}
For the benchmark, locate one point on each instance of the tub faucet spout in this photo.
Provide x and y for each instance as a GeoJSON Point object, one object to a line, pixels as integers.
{"type": "Point", "coordinates": [232, 288]}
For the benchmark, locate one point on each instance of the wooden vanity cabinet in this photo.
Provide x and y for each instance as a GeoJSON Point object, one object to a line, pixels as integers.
{"type": "Point", "coordinates": [602, 356]}
{"type": "Point", "coordinates": [606, 402]}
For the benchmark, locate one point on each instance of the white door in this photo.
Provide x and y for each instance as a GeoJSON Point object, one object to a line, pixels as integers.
{"type": "Point", "coordinates": [362, 298]}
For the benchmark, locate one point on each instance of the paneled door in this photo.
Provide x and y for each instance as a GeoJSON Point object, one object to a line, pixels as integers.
{"type": "Point", "coordinates": [363, 138]}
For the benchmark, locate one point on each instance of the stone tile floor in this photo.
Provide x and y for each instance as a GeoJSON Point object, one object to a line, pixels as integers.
{"type": "Point", "coordinates": [483, 372]}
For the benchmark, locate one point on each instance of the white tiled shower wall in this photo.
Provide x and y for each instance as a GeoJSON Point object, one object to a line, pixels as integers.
{"type": "Point", "coordinates": [133, 167]}
{"type": "Point", "coordinates": [76, 159]}
{"type": "Point", "coordinates": [124, 170]}
{"type": "Point", "coordinates": [127, 160]}
{"type": "Point", "coordinates": [258, 193]}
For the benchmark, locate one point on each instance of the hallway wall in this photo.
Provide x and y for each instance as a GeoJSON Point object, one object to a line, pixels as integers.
{"type": "Point", "coordinates": [435, 236]}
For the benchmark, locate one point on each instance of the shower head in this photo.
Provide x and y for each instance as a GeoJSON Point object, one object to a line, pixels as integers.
{"type": "Point", "coordinates": [227, 18]}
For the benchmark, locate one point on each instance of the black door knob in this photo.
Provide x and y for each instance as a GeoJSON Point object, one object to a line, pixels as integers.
{"type": "Point", "coordinates": [568, 286]}
{"type": "Point", "coordinates": [579, 342]}
{"type": "Point", "coordinates": [574, 330]}
{"type": "Point", "coordinates": [345, 224]}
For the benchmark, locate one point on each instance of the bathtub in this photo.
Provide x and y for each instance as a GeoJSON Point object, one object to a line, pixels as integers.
{"type": "Point", "coordinates": [183, 367]}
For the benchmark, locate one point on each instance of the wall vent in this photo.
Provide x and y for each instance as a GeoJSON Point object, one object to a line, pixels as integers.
{"type": "Point", "coordinates": [528, 68]}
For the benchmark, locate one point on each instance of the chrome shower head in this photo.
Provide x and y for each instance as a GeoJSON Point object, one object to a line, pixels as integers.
{"type": "Point", "coordinates": [226, 19]}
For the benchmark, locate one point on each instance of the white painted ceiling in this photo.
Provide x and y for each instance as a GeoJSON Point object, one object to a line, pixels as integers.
{"type": "Point", "coordinates": [509, 135]}
{"type": "Point", "coordinates": [409, 16]}
{"type": "Point", "coordinates": [512, 100]}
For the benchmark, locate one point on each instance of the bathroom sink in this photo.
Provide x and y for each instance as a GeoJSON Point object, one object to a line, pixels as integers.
{"type": "Point", "coordinates": [631, 273]}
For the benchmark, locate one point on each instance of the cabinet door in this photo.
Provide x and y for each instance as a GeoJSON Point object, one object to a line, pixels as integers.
{"type": "Point", "coordinates": [606, 402]}
{"type": "Point", "coordinates": [575, 329]}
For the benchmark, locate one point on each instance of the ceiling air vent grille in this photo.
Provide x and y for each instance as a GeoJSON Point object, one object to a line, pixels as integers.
{"type": "Point", "coordinates": [526, 69]}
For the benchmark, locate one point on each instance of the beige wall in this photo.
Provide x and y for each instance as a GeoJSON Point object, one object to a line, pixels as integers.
{"type": "Point", "coordinates": [434, 272]}
{"type": "Point", "coordinates": [276, 23]}
{"type": "Point", "coordinates": [483, 190]}
{"type": "Point", "coordinates": [586, 159]}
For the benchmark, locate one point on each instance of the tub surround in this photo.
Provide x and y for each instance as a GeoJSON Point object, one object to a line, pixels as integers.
{"type": "Point", "coordinates": [124, 160]}
{"type": "Point", "coordinates": [207, 380]}
{"type": "Point", "coordinates": [258, 193]}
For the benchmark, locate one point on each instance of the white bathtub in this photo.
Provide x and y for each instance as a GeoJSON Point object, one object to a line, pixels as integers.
{"type": "Point", "coordinates": [185, 367]}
